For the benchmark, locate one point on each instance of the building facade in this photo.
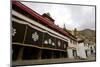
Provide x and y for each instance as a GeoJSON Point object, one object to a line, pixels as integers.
{"type": "Point", "coordinates": [36, 37]}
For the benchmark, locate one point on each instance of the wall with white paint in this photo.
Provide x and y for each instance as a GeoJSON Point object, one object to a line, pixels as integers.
{"type": "Point", "coordinates": [81, 50]}
{"type": "Point", "coordinates": [70, 53]}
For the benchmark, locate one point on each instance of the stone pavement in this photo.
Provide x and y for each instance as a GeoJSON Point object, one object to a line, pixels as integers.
{"type": "Point", "coordinates": [52, 61]}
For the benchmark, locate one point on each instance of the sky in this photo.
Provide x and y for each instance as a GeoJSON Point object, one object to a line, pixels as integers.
{"type": "Point", "coordinates": [73, 16]}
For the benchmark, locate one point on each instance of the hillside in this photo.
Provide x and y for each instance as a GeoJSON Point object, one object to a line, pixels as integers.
{"type": "Point", "coordinates": [87, 34]}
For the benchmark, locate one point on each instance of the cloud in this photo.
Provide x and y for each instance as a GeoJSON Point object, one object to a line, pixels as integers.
{"type": "Point", "coordinates": [73, 16]}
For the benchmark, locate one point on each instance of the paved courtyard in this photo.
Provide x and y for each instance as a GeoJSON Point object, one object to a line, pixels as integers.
{"type": "Point", "coordinates": [51, 61]}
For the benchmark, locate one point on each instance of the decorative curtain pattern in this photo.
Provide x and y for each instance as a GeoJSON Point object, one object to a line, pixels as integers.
{"type": "Point", "coordinates": [18, 31]}
{"type": "Point", "coordinates": [49, 41]}
{"type": "Point", "coordinates": [31, 36]}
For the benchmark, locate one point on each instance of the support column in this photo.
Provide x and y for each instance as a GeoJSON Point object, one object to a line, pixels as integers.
{"type": "Point", "coordinates": [20, 54]}
{"type": "Point", "coordinates": [60, 54]}
{"type": "Point", "coordinates": [40, 54]}
{"type": "Point", "coordinates": [52, 55]}
{"type": "Point", "coordinates": [66, 54]}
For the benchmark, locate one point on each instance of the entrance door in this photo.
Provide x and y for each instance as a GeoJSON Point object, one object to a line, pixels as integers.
{"type": "Point", "coordinates": [74, 53]}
